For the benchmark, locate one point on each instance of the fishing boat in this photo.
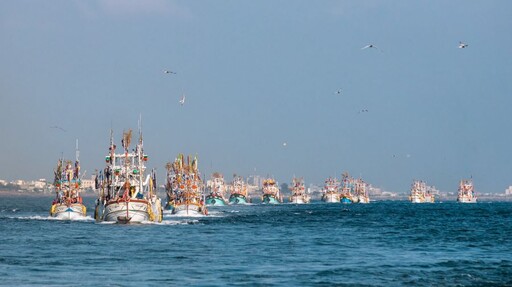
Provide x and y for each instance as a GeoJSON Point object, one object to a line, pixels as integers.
{"type": "Point", "coordinates": [271, 193]}
{"type": "Point", "coordinates": [347, 187]}
{"type": "Point", "coordinates": [466, 193]}
{"type": "Point", "coordinates": [184, 188]}
{"type": "Point", "coordinates": [239, 192]}
{"type": "Point", "coordinates": [217, 188]}
{"type": "Point", "coordinates": [126, 195]}
{"type": "Point", "coordinates": [361, 192]}
{"type": "Point", "coordinates": [330, 191]}
{"type": "Point", "coordinates": [421, 192]}
{"type": "Point", "coordinates": [68, 186]}
{"type": "Point", "coordinates": [298, 189]}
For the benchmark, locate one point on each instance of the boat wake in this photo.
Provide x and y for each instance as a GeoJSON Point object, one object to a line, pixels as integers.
{"type": "Point", "coordinates": [50, 218]}
{"type": "Point", "coordinates": [211, 213]}
{"type": "Point", "coordinates": [172, 222]}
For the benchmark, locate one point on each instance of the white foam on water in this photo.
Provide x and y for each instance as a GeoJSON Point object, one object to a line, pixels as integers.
{"type": "Point", "coordinates": [186, 216]}
{"type": "Point", "coordinates": [106, 222]}
{"type": "Point", "coordinates": [171, 222]}
{"type": "Point", "coordinates": [39, 217]}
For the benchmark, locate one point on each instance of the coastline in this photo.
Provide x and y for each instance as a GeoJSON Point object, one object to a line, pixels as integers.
{"type": "Point", "coordinates": [92, 194]}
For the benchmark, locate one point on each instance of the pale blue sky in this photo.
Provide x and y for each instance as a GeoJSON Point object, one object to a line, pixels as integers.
{"type": "Point", "coordinates": [260, 73]}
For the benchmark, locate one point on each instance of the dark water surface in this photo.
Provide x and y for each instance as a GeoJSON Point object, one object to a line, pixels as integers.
{"type": "Point", "coordinates": [387, 243]}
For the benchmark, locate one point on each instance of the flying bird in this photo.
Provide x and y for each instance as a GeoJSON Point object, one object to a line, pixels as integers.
{"type": "Point", "coordinates": [369, 46]}
{"type": "Point", "coordinates": [338, 92]}
{"type": "Point", "coordinates": [363, 111]}
{"type": "Point", "coordinates": [57, 127]}
{"type": "Point", "coordinates": [182, 100]}
{"type": "Point", "coordinates": [462, 45]}
{"type": "Point", "coordinates": [169, 72]}
{"type": "Point", "coordinates": [285, 144]}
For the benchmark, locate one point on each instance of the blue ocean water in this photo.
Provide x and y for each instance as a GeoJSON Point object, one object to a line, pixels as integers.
{"type": "Point", "coordinates": [387, 243]}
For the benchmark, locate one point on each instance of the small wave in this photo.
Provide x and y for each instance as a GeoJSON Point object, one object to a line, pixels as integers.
{"type": "Point", "coordinates": [14, 210]}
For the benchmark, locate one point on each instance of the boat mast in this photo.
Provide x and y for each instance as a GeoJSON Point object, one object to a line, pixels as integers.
{"type": "Point", "coordinates": [140, 154]}
{"type": "Point", "coordinates": [77, 152]}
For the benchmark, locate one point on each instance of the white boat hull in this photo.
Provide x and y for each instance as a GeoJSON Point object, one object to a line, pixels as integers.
{"type": "Point", "coordinates": [331, 198]}
{"type": "Point", "coordinates": [466, 200]}
{"type": "Point", "coordinates": [73, 211]}
{"type": "Point", "coordinates": [363, 199]}
{"type": "Point", "coordinates": [421, 199]}
{"type": "Point", "coordinates": [127, 211]}
{"type": "Point", "coordinates": [299, 199]}
{"type": "Point", "coordinates": [187, 210]}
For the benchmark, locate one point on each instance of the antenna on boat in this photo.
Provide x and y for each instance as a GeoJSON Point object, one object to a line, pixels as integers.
{"type": "Point", "coordinates": [111, 138]}
{"type": "Point", "coordinates": [77, 152]}
{"type": "Point", "coordinates": [140, 128]}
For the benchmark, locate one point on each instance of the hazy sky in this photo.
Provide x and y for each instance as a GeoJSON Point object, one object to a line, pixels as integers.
{"type": "Point", "coordinates": [257, 74]}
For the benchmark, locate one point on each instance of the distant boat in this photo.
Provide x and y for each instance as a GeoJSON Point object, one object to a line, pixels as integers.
{"type": "Point", "coordinates": [239, 193]}
{"type": "Point", "coordinates": [421, 193]}
{"type": "Point", "coordinates": [466, 192]}
{"type": "Point", "coordinates": [330, 192]}
{"type": "Point", "coordinates": [184, 188]}
{"type": "Point", "coordinates": [347, 187]}
{"type": "Point", "coordinates": [271, 193]}
{"type": "Point", "coordinates": [126, 196]}
{"type": "Point", "coordinates": [299, 195]}
{"type": "Point", "coordinates": [361, 192]}
{"type": "Point", "coordinates": [217, 188]}
{"type": "Point", "coordinates": [68, 186]}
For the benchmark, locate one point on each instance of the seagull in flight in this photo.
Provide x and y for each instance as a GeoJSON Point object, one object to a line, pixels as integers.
{"type": "Point", "coordinates": [462, 45]}
{"type": "Point", "coordinates": [57, 127]}
{"type": "Point", "coordinates": [363, 111]}
{"type": "Point", "coordinates": [369, 46]}
{"type": "Point", "coordinates": [182, 100]}
{"type": "Point", "coordinates": [338, 92]}
{"type": "Point", "coordinates": [169, 72]}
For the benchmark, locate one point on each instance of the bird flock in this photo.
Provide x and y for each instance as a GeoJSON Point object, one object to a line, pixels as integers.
{"type": "Point", "coordinates": [181, 101]}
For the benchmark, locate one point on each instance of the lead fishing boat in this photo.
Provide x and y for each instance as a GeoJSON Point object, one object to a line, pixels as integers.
{"type": "Point", "coordinates": [330, 192]}
{"type": "Point", "coordinates": [68, 187]}
{"type": "Point", "coordinates": [421, 193]}
{"type": "Point", "coordinates": [239, 193]}
{"type": "Point", "coordinates": [217, 188]}
{"type": "Point", "coordinates": [125, 195]}
{"type": "Point", "coordinates": [184, 188]}
{"type": "Point", "coordinates": [466, 193]}
{"type": "Point", "coordinates": [271, 193]}
{"type": "Point", "coordinates": [299, 195]}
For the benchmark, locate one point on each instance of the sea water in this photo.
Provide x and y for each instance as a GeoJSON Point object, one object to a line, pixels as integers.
{"type": "Point", "coordinates": [387, 243]}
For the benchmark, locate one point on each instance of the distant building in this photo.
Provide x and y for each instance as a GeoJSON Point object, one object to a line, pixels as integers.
{"type": "Point", "coordinates": [255, 180]}
{"type": "Point", "coordinates": [88, 183]}
{"type": "Point", "coordinates": [374, 191]}
{"type": "Point", "coordinates": [508, 191]}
